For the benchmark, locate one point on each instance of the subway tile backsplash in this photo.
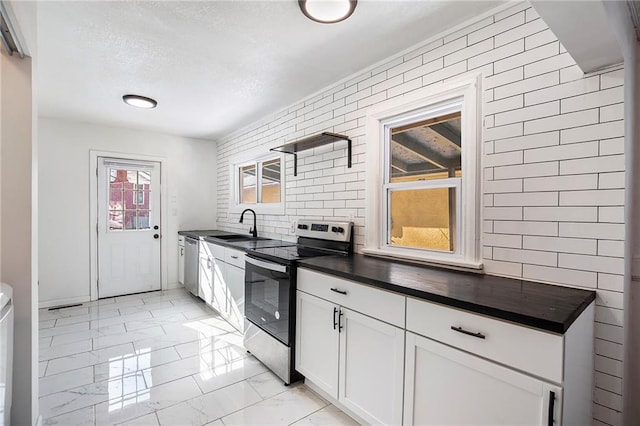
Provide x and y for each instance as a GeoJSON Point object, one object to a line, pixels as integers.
{"type": "Point", "coordinates": [553, 163]}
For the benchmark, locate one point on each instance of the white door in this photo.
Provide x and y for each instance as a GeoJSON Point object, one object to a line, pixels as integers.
{"type": "Point", "coordinates": [445, 386]}
{"type": "Point", "coordinates": [371, 368]}
{"type": "Point", "coordinates": [128, 226]}
{"type": "Point", "coordinates": [317, 341]}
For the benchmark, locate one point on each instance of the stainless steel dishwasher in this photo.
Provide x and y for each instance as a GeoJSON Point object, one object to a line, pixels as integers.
{"type": "Point", "coordinates": [191, 265]}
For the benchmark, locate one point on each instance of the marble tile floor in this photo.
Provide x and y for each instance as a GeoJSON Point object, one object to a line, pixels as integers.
{"type": "Point", "coordinates": [161, 358]}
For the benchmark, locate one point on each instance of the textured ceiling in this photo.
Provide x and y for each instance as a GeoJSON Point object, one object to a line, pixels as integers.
{"type": "Point", "coordinates": [213, 66]}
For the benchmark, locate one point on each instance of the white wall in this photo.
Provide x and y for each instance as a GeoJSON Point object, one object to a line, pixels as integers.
{"type": "Point", "coordinates": [553, 163]}
{"type": "Point", "coordinates": [18, 241]}
{"type": "Point", "coordinates": [64, 196]}
{"type": "Point", "coordinates": [619, 20]}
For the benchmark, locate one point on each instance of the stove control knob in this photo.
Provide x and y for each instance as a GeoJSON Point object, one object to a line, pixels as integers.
{"type": "Point", "coordinates": [300, 226]}
{"type": "Point", "coordinates": [337, 229]}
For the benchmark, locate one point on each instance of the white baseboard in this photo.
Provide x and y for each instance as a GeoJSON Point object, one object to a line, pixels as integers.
{"type": "Point", "coordinates": [61, 302]}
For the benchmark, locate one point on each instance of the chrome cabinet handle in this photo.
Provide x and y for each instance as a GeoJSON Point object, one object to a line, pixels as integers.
{"type": "Point", "coordinates": [468, 333]}
{"type": "Point", "coordinates": [339, 291]}
{"type": "Point", "coordinates": [340, 326]}
{"type": "Point", "coordinates": [234, 257]}
{"type": "Point", "coordinates": [335, 322]}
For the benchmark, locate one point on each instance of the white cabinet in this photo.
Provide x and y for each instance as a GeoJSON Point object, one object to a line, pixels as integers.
{"type": "Point", "coordinates": [226, 272]}
{"type": "Point", "coordinates": [317, 341]}
{"type": "Point", "coordinates": [356, 359]}
{"type": "Point", "coordinates": [181, 259]}
{"type": "Point", "coordinates": [511, 370]}
{"type": "Point", "coordinates": [455, 368]}
{"type": "Point", "coordinates": [446, 386]}
{"type": "Point", "coordinates": [205, 275]}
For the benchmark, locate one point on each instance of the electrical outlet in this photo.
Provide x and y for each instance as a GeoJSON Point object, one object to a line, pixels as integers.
{"type": "Point", "coordinates": [351, 216]}
{"type": "Point", "coordinates": [293, 226]}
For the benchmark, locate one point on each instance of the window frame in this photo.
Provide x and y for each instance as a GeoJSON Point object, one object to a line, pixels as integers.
{"type": "Point", "coordinates": [462, 94]}
{"type": "Point", "coordinates": [263, 208]}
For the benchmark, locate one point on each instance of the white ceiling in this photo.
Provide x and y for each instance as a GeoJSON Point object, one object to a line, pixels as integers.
{"type": "Point", "coordinates": [213, 66]}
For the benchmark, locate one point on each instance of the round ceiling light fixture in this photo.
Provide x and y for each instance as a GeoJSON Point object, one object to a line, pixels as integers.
{"type": "Point", "coordinates": [139, 101]}
{"type": "Point", "coordinates": [327, 11]}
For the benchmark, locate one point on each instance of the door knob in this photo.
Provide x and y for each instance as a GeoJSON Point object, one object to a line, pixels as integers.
{"type": "Point", "coordinates": [156, 236]}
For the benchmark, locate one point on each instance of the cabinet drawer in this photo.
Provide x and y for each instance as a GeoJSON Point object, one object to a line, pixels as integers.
{"type": "Point", "coordinates": [520, 347]}
{"type": "Point", "coordinates": [380, 304]}
{"type": "Point", "coordinates": [217, 251]}
{"type": "Point", "coordinates": [234, 257]}
{"type": "Point", "coordinates": [181, 240]}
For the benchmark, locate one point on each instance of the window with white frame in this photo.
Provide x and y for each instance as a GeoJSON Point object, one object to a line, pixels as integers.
{"type": "Point", "coordinates": [423, 185]}
{"type": "Point", "coordinates": [259, 183]}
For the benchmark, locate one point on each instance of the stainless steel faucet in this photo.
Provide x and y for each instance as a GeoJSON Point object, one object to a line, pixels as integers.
{"type": "Point", "coordinates": [254, 230]}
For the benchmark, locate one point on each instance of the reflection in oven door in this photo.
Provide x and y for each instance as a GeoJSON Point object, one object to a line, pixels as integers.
{"type": "Point", "coordinates": [267, 297]}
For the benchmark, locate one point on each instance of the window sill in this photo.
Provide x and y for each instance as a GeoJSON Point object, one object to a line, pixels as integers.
{"type": "Point", "coordinates": [455, 264]}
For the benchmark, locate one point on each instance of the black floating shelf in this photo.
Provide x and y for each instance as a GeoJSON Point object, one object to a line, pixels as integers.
{"type": "Point", "coordinates": [311, 142]}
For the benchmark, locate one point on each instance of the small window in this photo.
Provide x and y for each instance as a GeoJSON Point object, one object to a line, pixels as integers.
{"type": "Point", "coordinates": [128, 199]}
{"type": "Point", "coordinates": [423, 201]}
{"type": "Point", "coordinates": [259, 184]}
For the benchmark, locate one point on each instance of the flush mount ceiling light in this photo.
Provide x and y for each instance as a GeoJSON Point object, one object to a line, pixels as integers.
{"type": "Point", "coordinates": [139, 101]}
{"type": "Point", "coordinates": [327, 11]}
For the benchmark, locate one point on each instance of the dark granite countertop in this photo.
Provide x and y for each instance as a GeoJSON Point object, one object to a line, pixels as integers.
{"type": "Point", "coordinates": [543, 306]}
{"type": "Point", "coordinates": [201, 234]}
{"type": "Point", "coordinates": [248, 244]}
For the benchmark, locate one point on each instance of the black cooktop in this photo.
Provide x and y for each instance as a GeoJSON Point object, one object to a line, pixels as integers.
{"type": "Point", "coordinates": [289, 254]}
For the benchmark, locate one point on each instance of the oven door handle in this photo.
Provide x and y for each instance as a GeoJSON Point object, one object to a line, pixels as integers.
{"type": "Point", "coordinates": [266, 265]}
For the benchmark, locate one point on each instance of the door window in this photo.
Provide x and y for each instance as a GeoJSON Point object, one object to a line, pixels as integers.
{"type": "Point", "coordinates": [129, 191]}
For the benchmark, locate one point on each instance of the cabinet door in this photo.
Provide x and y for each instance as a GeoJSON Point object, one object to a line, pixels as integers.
{"type": "Point", "coordinates": [371, 368]}
{"type": "Point", "coordinates": [235, 300]}
{"type": "Point", "coordinates": [181, 263]}
{"type": "Point", "coordinates": [220, 292]}
{"type": "Point", "coordinates": [445, 386]}
{"type": "Point", "coordinates": [317, 342]}
{"type": "Point", "coordinates": [205, 281]}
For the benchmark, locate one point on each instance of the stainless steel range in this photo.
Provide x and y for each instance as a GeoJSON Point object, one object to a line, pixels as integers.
{"type": "Point", "coordinates": [270, 288]}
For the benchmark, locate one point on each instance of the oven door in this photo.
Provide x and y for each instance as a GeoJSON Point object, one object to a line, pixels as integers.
{"type": "Point", "coordinates": [268, 296]}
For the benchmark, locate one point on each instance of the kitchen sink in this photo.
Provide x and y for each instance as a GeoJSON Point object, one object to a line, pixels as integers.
{"type": "Point", "coordinates": [238, 237]}
{"type": "Point", "coordinates": [233, 237]}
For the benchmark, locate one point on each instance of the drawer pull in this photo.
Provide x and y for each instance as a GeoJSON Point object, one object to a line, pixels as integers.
{"type": "Point", "coordinates": [339, 291]}
{"type": "Point", "coordinates": [234, 257]}
{"type": "Point", "coordinates": [468, 333]}
{"type": "Point", "coordinates": [552, 403]}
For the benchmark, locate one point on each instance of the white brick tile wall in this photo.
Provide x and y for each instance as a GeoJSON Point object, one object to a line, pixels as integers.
{"type": "Point", "coordinates": [561, 183]}
{"type": "Point", "coordinates": [553, 162]}
{"type": "Point", "coordinates": [562, 214]}
{"type": "Point", "coordinates": [558, 275]}
{"type": "Point", "coordinates": [548, 65]}
{"type": "Point", "coordinates": [564, 245]}
{"type": "Point", "coordinates": [564, 90]}
{"type": "Point", "coordinates": [526, 142]}
{"type": "Point", "coordinates": [526, 228]}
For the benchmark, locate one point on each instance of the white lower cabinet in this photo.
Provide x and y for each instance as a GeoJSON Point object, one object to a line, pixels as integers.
{"type": "Point", "coordinates": [317, 342]}
{"type": "Point", "coordinates": [373, 350]}
{"type": "Point", "coordinates": [446, 386]}
{"type": "Point", "coordinates": [455, 368]}
{"type": "Point", "coordinates": [224, 283]}
{"type": "Point", "coordinates": [355, 359]}
{"type": "Point", "coordinates": [181, 259]}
